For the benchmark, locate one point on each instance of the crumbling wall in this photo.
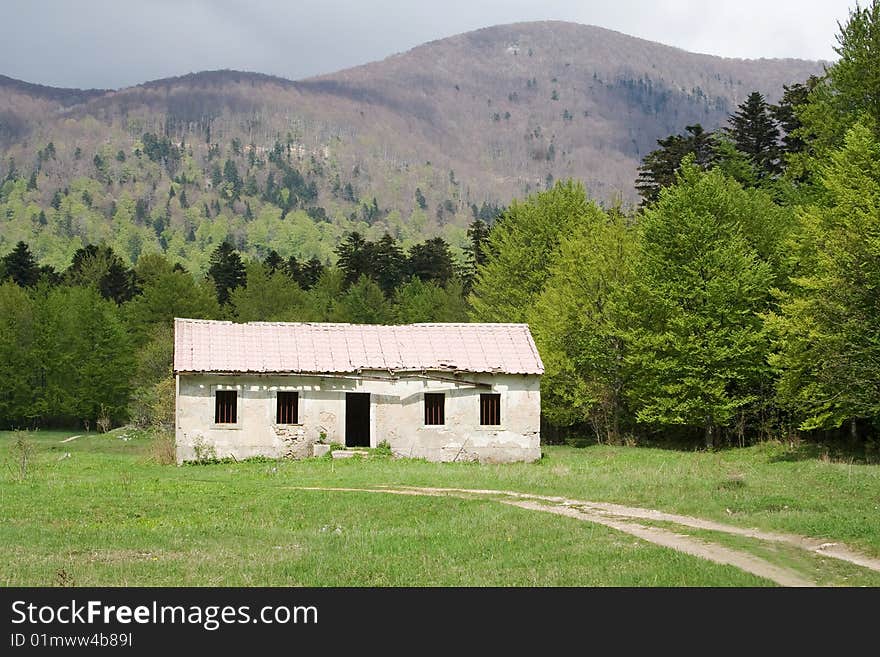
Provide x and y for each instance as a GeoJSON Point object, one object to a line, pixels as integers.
{"type": "Point", "coordinates": [295, 442]}
{"type": "Point", "coordinates": [396, 416]}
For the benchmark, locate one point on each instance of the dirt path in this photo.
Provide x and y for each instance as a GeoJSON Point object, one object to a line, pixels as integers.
{"type": "Point", "coordinates": [621, 518]}
{"type": "Point", "coordinates": [834, 550]}
{"type": "Point", "coordinates": [687, 544]}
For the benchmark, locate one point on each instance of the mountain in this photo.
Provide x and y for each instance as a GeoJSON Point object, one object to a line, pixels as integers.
{"type": "Point", "coordinates": [412, 144]}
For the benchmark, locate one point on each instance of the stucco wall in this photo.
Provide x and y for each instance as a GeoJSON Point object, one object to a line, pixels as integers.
{"type": "Point", "coordinates": [396, 416]}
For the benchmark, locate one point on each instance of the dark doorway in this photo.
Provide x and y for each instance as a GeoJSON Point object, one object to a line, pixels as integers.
{"type": "Point", "coordinates": [357, 419]}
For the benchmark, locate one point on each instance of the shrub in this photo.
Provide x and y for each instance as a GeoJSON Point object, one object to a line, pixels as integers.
{"type": "Point", "coordinates": [22, 456]}
{"type": "Point", "coordinates": [162, 448]}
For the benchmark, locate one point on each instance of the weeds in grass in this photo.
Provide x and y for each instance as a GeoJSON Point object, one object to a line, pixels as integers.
{"type": "Point", "coordinates": [21, 456]}
{"type": "Point", "coordinates": [204, 451]}
{"type": "Point", "coordinates": [228, 460]}
{"type": "Point", "coordinates": [734, 481]}
{"type": "Point", "coordinates": [125, 484]}
{"type": "Point", "coordinates": [383, 449]}
{"type": "Point", "coordinates": [162, 449]}
{"type": "Point", "coordinates": [63, 578]}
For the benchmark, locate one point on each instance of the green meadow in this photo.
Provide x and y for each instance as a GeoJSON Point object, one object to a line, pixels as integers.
{"type": "Point", "coordinates": [102, 510]}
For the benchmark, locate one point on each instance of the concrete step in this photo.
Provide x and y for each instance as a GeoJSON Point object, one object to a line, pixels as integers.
{"type": "Point", "coordinates": [348, 453]}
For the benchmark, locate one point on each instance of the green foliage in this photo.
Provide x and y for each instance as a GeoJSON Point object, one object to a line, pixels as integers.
{"type": "Point", "coordinates": [99, 267]}
{"type": "Point", "coordinates": [267, 297]}
{"type": "Point", "coordinates": [579, 325]}
{"type": "Point", "coordinates": [363, 303]}
{"type": "Point", "coordinates": [17, 329]}
{"type": "Point", "coordinates": [67, 356]}
{"type": "Point", "coordinates": [431, 261]}
{"type": "Point", "coordinates": [851, 87]}
{"type": "Point", "coordinates": [389, 264]}
{"type": "Point", "coordinates": [696, 341]}
{"type": "Point", "coordinates": [152, 397]}
{"type": "Point", "coordinates": [828, 344]}
{"type": "Point", "coordinates": [521, 247]}
{"type": "Point", "coordinates": [167, 293]}
{"type": "Point", "coordinates": [417, 301]}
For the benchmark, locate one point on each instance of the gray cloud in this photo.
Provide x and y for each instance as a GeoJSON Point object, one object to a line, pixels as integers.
{"type": "Point", "coordinates": [115, 43]}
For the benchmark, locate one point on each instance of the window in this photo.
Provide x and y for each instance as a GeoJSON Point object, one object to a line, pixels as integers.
{"type": "Point", "coordinates": [490, 409]}
{"type": "Point", "coordinates": [435, 407]}
{"type": "Point", "coordinates": [226, 407]}
{"type": "Point", "coordinates": [287, 411]}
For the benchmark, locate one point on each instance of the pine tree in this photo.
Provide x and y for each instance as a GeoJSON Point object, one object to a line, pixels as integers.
{"type": "Point", "coordinates": [227, 271]}
{"type": "Point", "coordinates": [785, 113]}
{"type": "Point", "coordinates": [20, 266]}
{"type": "Point", "coordinates": [659, 167]}
{"type": "Point", "coordinates": [420, 199]}
{"type": "Point", "coordinates": [230, 175]}
{"type": "Point", "coordinates": [11, 170]}
{"type": "Point", "coordinates": [478, 236]}
{"type": "Point", "coordinates": [755, 133]}
{"type": "Point", "coordinates": [99, 267]}
{"type": "Point", "coordinates": [309, 273]}
{"type": "Point", "coordinates": [475, 251]}
{"type": "Point", "coordinates": [389, 266]}
{"type": "Point", "coordinates": [354, 257]}
{"type": "Point", "coordinates": [431, 261]}
{"type": "Point", "coordinates": [118, 283]}
{"type": "Point", "coordinates": [273, 262]}
{"type": "Point", "coordinates": [216, 176]}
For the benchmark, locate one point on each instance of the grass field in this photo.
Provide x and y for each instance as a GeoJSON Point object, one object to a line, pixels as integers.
{"type": "Point", "coordinates": [99, 511]}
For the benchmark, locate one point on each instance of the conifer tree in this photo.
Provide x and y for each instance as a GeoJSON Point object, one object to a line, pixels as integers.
{"type": "Point", "coordinates": [227, 271]}
{"type": "Point", "coordinates": [389, 264]}
{"type": "Point", "coordinates": [431, 261]}
{"type": "Point", "coordinates": [755, 133]}
{"type": "Point", "coordinates": [20, 266]}
{"type": "Point", "coordinates": [659, 167]}
{"type": "Point", "coordinates": [354, 257]}
{"type": "Point", "coordinates": [273, 261]}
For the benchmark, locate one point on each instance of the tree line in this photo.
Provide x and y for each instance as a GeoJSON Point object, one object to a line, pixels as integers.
{"type": "Point", "coordinates": [94, 342]}
{"type": "Point", "coordinates": [741, 300]}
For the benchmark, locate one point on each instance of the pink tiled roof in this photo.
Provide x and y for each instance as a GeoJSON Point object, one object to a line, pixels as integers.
{"type": "Point", "coordinates": [212, 346]}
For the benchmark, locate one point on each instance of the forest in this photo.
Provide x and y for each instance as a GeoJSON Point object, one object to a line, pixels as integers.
{"type": "Point", "coordinates": [739, 302]}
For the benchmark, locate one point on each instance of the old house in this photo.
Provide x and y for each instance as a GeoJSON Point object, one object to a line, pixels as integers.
{"type": "Point", "coordinates": [444, 392]}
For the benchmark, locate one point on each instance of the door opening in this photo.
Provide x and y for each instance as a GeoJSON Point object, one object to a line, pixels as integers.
{"type": "Point", "coordinates": [357, 419]}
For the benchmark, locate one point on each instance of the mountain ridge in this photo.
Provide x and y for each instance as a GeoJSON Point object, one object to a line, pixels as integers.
{"type": "Point", "coordinates": [413, 144]}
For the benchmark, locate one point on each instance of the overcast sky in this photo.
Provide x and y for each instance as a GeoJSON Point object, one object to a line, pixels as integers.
{"type": "Point", "coordinates": [116, 43]}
